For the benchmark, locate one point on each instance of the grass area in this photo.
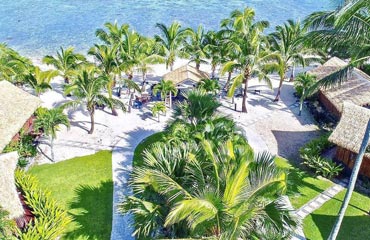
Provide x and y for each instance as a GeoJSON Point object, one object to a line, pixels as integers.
{"type": "Point", "coordinates": [355, 224]}
{"type": "Point", "coordinates": [84, 186]}
{"type": "Point", "coordinates": [302, 187]}
{"type": "Point", "coordinates": [138, 159]}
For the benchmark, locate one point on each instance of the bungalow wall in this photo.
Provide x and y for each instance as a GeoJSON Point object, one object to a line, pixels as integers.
{"type": "Point", "coordinates": [329, 106]}
{"type": "Point", "coordinates": [348, 158]}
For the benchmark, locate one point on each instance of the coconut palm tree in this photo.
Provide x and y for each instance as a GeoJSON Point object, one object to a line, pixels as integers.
{"type": "Point", "coordinates": [87, 89]}
{"type": "Point", "coordinates": [198, 107]}
{"type": "Point", "coordinates": [40, 80]}
{"type": "Point", "coordinates": [158, 108]}
{"type": "Point", "coordinates": [237, 195]}
{"type": "Point", "coordinates": [306, 82]}
{"type": "Point", "coordinates": [253, 59]}
{"type": "Point", "coordinates": [287, 41]}
{"type": "Point", "coordinates": [66, 62]}
{"type": "Point", "coordinates": [171, 39]}
{"type": "Point", "coordinates": [107, 59]}
{"type": "Point", "coordinates": [346, 29]}
{"type": "Point", "coordinates": [165, 87]}
{"type": "Point", "coordinates": [194, 48]}
{"type": "Point", "coordinates": [49, 121]}
{"type": "Point", "coordinates": [13, 66]}
{"type": "Point", "coordinates": [213, 44]}
{"type": "Point", "coordinates": [209, 85]}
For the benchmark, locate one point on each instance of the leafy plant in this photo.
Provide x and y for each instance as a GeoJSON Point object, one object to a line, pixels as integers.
{"type": "Point", "coordinates": [7, 226]}
{"type": "Point", "coordinates": [310, 153]}
{"type": "Point", "coordinates": [50, 219]}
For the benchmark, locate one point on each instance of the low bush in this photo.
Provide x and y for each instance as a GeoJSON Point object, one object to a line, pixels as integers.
{"type": "Point", "coordinates": [7, 227]}
{"type": "Point", "coordinates": [311, 155]}
{"type": "Point", "coordinates": [50, 219]}
{"type": "Point", "coordinates": [25, 148]}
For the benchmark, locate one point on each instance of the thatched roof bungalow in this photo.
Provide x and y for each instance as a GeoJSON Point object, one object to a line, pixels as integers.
{"type": "Point", "coordinates": [355, 90]}
{"type": "Point", "coordinates": [9, 199]}
{"type": "Point", "coordinates": [348, 136]}
{"type": "Point", "coordinates": [186, 76]}
{"type": "Point", "coordinates": [16, 108]}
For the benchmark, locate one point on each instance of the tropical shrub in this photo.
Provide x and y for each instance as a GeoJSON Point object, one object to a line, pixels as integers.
{"type": "Point", "coordinates": [323, 166]}
{"type": "Point", "coordinates": [25, 148]}
{"type": "Point", "coordinates": [7, 226]}
{"type": "Point", "coordinates": [50, 219]}
{"type": "Point", "coordinates": [311, 155]}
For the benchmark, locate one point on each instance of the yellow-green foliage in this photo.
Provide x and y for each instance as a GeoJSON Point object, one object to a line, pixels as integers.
{"type": "Point", "coordinates": [50, 219]}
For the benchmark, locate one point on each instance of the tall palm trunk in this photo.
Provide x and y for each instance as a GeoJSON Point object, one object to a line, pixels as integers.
{"type": "Point", "coordinates": [246, 78]}
{"type": "Point", "coordinates": [213, 70]}
{"type": "Point", "coordinates": [92, 119]}
{"type": "Point", "coordinates": [52, 148]}
{"type": "Point", "coordinates": [301, 103]}
{"type": "Point", "coordinates": [144, 82]}
{"type": "Point", "coordinates": [277, 98]}
{"type": "Point", "coordinates": [292, 74]}
{"type": "Point", "coordinates": [197, 65]}
{"type": "Point", "coordinates": [170, 100]}
{"type": "Point", "coordinates": [129, 76]}
{"type": "Point", "coordinates": [228, 80]}
{"type": "Point", "coordinates": [352, 183]}
{"type": "Point", "coordinates": [110, 93]}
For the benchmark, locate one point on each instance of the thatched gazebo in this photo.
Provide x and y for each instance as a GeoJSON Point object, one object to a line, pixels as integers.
{"type": "Point", "coordinates": [356, 89]}
{"type": "Point", "coordinates": [16, 110]}
{"type": "Point", "coordinates": [186, 76]}
{"type": "Point", "coordinates": [9, 199]}
{"type": "Point", "coordinates": [348, 136]}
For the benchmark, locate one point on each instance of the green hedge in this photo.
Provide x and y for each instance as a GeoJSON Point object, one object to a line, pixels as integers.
{"type": "Point", "coordinates": [50, 219]}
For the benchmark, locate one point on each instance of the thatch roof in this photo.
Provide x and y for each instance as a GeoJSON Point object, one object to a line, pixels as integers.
{"type": "Point", "coordinates": [356, 89]}
{"type": "Point", "coordinates": [9, 199]}
{"type": "Point", "coordinates": [185, 73]}
{"type": "Point", "coordinates": [16, 106]}
{"type": "Point", "coordinates": [351, 128]}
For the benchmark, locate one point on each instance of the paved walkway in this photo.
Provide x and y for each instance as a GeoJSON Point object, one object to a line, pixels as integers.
{"type": "Point", "coordinates": [121, 166]}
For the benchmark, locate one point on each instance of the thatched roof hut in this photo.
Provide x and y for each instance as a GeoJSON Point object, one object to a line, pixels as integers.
{"type": "Point", "coordinates": [351, 127]}
{"type": "Point", "coordinates": [9, 199]}
{"type": "Point", "coordinates": [185, 75]}
{"type": "Point", "coordinates": [356, 89]}
{"type": "Point", "coordinates": [16, 107]}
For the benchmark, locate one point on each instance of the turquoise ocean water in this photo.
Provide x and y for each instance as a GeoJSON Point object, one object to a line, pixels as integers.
{"type": "Point", "coordinates": [40, 27]}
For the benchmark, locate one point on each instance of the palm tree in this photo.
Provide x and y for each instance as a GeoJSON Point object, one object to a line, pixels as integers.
{"type": "Point", "coordinates": [40, 80]}
{"type": "Point", "coordinates": [237, 195]}
{"type": "Point", "coordinates": [65, 62]}
{"type": "Point", "coordinates": [158, 107]}
{"type": "Point", "coordinates": [107, 59]}
{"type": "Point", "coordinates": [306, 82]}
{"type": "Point", "coordinates": [287, 40]}
{"type": "Point", "coordinates": [209, 85]}
{"type": "Point", "coordinates": [49, 121]}
{"type": "Point", "coordinates": [212, 49]}
{"type": "Point", "coordinates": [198, 107]}
{"type": "Point", "coordinates": [253, 59]}
{"type": "Point", "coordinates": [165, 87]}
{"type": "Point", "coordinates": [13, 66]}
{"type": "Point", "coordinates": [87, 89]}
{"type": "Point", "coordinates": [195, 47]}
{"type": "Point", "coordinates": [171, 40]}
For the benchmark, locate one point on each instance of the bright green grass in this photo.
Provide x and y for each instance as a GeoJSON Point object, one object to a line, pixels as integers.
{"type": "Point", "coordinates": [83, 185]}
{"type": "Point", "coordinates": [302, 187]}
{"type": "Point", "coordinates": [356, 223]}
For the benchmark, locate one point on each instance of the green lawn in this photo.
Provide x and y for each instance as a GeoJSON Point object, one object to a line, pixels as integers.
{"type": "Point", "coordinates": [356, 223]}
{"type": "Point", "coordinates": [302, 187]}
{"type": "Point", "coordinates": [84, 186]}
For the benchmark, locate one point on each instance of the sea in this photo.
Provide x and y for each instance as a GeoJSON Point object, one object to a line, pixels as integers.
{"type": "Point", "coordinates": [37, 28]}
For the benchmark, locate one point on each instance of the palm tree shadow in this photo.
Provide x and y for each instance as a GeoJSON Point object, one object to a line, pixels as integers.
{"type": "Point", "coordinates": [91, 210]}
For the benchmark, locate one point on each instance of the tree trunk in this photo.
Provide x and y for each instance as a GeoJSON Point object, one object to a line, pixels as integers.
{"type": "Point", "coordinates": [171, 67]}
{"type": "Point", "coordinates": [144, 82]}
{"type": "Point", "coordinates": [66, 80]}
{"type": "Point", "coordinates": [170, 100]}
{"type": "Point", "coordinates": [352, 183]}
{"type": "Point", "coordinates": [277, 98]}
{"type": "Point", "coordinates": [52, 148]}
{"type": "Point", "coordinates": [213, 71]}
{"type": "Point", "coordinates": [292, 74]}
{"type": "Point", "coordinates": [92, 112]}
{"type": "Point", "coordinates": [244, 103]}
{"type": "Point", "coordinates": [197, 65]}
{"type": "Point", "coordinates": [228, 80]}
